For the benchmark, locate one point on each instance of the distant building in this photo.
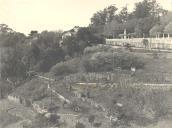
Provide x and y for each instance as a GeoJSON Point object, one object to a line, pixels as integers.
{"type": "Point", "coordinates": [66, 34]}
{"type": "Point", "coordinates": [69, 33]}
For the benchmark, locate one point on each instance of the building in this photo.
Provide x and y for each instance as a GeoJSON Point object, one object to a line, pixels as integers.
{"type": "Point", "coordinates": [69, 33]}
{"type": "Point", "coordinates": [160, 41]}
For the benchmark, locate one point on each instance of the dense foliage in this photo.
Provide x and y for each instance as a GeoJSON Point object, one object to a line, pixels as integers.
{"type": "Point", "coordinates": [40, 51]}
{"type": "Point", "coordinates": [139, 22]}
{"type": "Point", "coordinates": [99, 59]}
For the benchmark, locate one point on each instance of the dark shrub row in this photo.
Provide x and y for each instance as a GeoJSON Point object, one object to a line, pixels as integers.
{"type": "Point", "coordinates": [99, 62]}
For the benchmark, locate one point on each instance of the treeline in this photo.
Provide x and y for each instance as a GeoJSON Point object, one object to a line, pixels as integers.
{"type": "Point", "coordinates": [40, 51]}
{"type": "Point", "coordinates": [147, 19]}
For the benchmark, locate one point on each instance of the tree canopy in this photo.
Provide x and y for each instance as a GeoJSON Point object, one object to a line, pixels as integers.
{"type": "Point", "coordinates": [145, 16]}
{"type": "Point", "coordinates": [168, 28]}
{"type": "Point", "coordinates": [156, 29]}
{"type": "Point", "coordinates": [104, 16]}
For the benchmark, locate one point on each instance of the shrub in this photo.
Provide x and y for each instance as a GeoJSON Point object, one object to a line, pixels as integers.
{"type": "Point", "coordinates": [54, 119]}
{"type": "Point", "coordinates": [65, 68]}
{"type": "Point", "coordinates": [106, 61]}
{"type": "Point", "coordinates": [128, 60]}
{"type": "Point", "coordinates": [39, 121]}
{"type": "Point", "coordinates": [99, 62]}
{"type": "Point", "coordinates": [91, 119]}
{"type": "Point", "coordinates": [97, 124]}
{"type": "Point", "coordinates": [79, 125]}
{"type": "Point", "coordinates": [97, 48]}
{"type": "Point", "coordinates": [7, 119]}
{"type": "Point", "coordinates": [141, 105]}
{"type": "Point", "coordinates": [5, 89]}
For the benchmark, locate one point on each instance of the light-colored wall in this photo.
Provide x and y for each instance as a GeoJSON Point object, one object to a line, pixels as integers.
{"type": "Point", "coordinates": [14, 98]}
{"type": "Point", "coordinates": [165, 43]}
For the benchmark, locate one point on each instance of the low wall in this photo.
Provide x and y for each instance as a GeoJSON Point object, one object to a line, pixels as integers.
{"type": "Point", "coordinates": [14, 98]}
{"type": "Point", "coordinates": [164, 43]}
{"type": "Point", "coordinates": [20, 100]}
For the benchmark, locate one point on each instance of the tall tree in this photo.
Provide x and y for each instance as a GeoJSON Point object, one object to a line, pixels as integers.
{"type": "Point", "coordinates": [11, 43]}
{"type": "Point", "coordinates": [143, 26]}
{"type": "Point", "coordinates": [168, 28]}
{"type": "Point", "coordinates": [4, 28]}
{"type": "Point", "coordinates": [156, 29]}
{"type": "Point", "coordinates": [44, 51]}
{"type": "Point", "coordinates": [12, 65]}
{"type": "Point", "coordinates": [113, 28]}
{"type": "Point", "coordinates": [123, 15]}
{"type": "Point", "coordinates": [104, 16]}
{"type": "Point", "coordinates": [49, 39]}
{"type": "Point", "coordinates": [11, 39]}
{"type": "Point", "coordinates": [148, 8]}
{"type": "Point", "coordinates": [49, 58]}
{"type": "Point", "coordinates": [70, 46]}
{"type": "Point", "coordinates": [166, 19]}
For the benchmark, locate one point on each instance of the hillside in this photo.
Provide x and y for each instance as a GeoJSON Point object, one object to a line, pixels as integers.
{"type": "Point", "coordinates": [89, 77]}
{"type": "Point", "coordinates": [107, 98]}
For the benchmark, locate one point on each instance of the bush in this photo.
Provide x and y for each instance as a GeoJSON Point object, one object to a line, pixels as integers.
{"type": "Point", "coordinates": [97, 48]}
{"type": "Point", "coordinates": [54, 119]}
{"type": "Point", "coordinates": [7, 119]}
{"type": "Point", "coordinates": [99, 62]}
{"type": "Point", "coordinates": [79, 125]}
{"type": "Point", "coordinates": [91, 119]}
{"type": "Point", "coordinates": [140, 105]}
{"type": "Point", "coordinates": [97, 124]}
{"type": "Point", "coordinates": [40, 121]}
{"type": "Point", "coordinates": [65, 68]}
{"type": "Point", "coordinates": [128, 60]}
{"type": "Point", "coordinates": [5, 89]}
{"type": "Point", "coordinates": [106, 61]}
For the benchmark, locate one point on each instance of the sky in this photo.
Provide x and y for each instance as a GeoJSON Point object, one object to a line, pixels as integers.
{"type": "Point", "coordinates": [26, 15]}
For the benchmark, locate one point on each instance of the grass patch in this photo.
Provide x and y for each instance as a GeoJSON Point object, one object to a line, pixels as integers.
{"type": "Point", "coordinates": [7, 119]}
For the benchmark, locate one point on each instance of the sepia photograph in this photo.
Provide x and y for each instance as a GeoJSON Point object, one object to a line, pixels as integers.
{"type": "Point", "coordinates": [85, 63]}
